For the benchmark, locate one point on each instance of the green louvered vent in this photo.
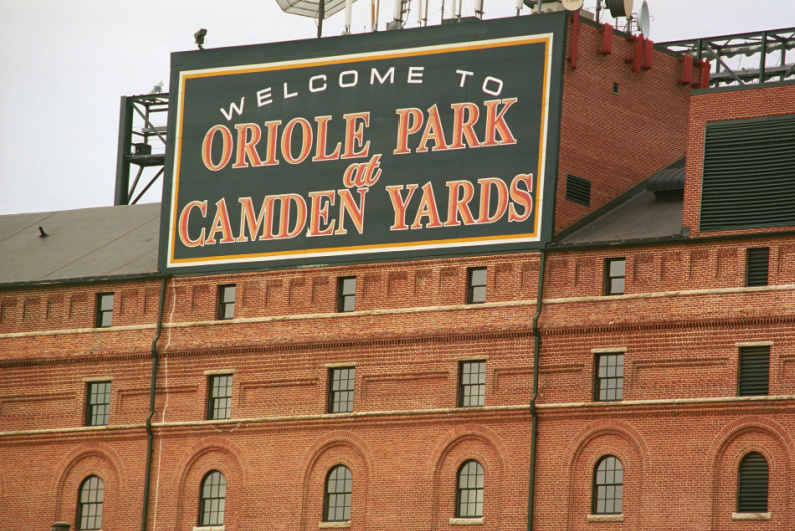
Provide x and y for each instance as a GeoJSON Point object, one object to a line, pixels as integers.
{"type": "Point", "coordinates": [754, 370]}
{"type": "Point", "coordinates": [758, 263]}
{"type": "Point", "coordinates": [753, 478]}
{"type": "Point", "coordinates": [578, 190]}
{"type": "Point", "coordinates": [749, 174]}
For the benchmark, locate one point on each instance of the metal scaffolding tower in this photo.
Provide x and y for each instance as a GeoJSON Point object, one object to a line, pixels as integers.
{"type": "Point", "coordinates": [142, 142]}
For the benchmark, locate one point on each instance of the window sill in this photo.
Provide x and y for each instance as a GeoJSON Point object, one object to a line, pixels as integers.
{"type": "Point", "coordinates": [334, 525]}
{"type": "Point", "coordinates": [752, 516]}
{"type": "Point", "coordinates": [209, 528]}
{"type": "Point", "coordinates": [467, 521]}
{"type": "Point", "coordinates": [606, 517]}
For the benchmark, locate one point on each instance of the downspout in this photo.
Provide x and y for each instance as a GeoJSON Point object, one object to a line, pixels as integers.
{"type": "Point", "coordinates": [533, 411]}
{"type": "Point", "coordinates": [149, 432]}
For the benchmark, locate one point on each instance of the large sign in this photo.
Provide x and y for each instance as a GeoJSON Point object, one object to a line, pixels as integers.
{"type": "Point", "coordinates": [364, 147]}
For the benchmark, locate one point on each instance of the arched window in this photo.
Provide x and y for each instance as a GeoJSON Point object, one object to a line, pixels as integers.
{"type": "Point", "coordinates": [752, 484]}
{"type": "Point", "coordinates": [339, 486]}
{"type": "Point", "coordinates": [608, 486]}
{"type": "Point", "coordinates": [469, 495]}
{"type": "Point", "coordinates": [89, 503]}
{"type": "Point", "coordinates": [213, 499]}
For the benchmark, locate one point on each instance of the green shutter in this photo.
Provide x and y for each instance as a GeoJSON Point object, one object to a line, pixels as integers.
{"type": "Point", "coordinates": [753, 480]}
{"type": "Point", "coordinates": [754, 371]}
{"type": "Point", "coordinates": [758, 261]}
{"type": "Point", "coordinates": [749, 174]}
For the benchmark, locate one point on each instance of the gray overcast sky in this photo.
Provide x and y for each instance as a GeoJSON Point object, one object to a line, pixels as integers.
{"type": "Point", "coordinates": [65, 64]}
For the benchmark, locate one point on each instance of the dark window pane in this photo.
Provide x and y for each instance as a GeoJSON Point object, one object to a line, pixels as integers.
{"type": "Point", "coordinates": [349, 286]}
{"type": "Point", "coordinates": [229, 294]}
{"type": "Point", "coordinates": [479, 277]}
{"type": "Point", "coordinates": [616, 286]}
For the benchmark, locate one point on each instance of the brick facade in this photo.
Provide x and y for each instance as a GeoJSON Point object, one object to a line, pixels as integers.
{"type": "Point", "coordinates": [645, 121]}
{"type": "Point", "coordinates": [680, 429]}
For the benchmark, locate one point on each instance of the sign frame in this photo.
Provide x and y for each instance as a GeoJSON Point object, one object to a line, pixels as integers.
{"type": "Point", "coordinates": [480, 35]}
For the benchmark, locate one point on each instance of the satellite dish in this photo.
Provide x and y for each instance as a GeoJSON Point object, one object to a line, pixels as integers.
{"type": "Point", "coordinates": [572, 5]}
{"type": "Point", "coordinates": [643, 19]}
{"type": "Point", "coordinates": [620, 8]}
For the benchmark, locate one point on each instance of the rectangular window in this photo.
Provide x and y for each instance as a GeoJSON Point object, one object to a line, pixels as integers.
{"type": "Point", "coordinates": [226, 302]}
{"type": "Point", "coordinates": [476, 285]}
{"type": "Point", "coordinates": [609, 385]}
{"type": "Point", "coordinates": [757, 261]}
{"type": "Point", "coordinates": [219, 397]}
{"type": "Point", "coordinates": [104, 310]}
{"type": "Point", "coordinates": [98, 404]}
{"type": "Point", "coordinates": [471, 383]}
{"type": "Point", "coordinates": [615, 271]}
{"type": "Point", "coordinates": [754, 371]}
{"type": "Point", "coordinates": [340, 390]}
{"type": "Point", "coordinates": [346, 294]}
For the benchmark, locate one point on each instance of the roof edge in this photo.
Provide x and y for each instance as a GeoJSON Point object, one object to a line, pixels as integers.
{"type": "Point", "coordinates": [82, 280]}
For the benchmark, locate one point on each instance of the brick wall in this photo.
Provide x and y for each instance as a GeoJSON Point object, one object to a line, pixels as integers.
{"type": "Point", "coordinates": [616, 140]}
{"type": "Point", "coordinates": [679, 323]}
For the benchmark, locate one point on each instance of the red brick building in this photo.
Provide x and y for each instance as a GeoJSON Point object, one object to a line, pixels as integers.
{"type": "Point", "coordinates": [647, 383]}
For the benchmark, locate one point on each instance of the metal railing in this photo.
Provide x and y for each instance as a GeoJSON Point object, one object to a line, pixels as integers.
{"type": "Point", "coordinates": [766, 53]}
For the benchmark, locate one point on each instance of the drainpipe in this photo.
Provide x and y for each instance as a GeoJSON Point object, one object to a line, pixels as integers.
{"type": "Point", "coordinates": [149, 432]}
{"type": "Point", "coordinates": [533, 411]}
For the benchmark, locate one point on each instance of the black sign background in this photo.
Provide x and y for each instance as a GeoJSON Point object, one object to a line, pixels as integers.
{"type": "Point", "coordinates": [514, 51]}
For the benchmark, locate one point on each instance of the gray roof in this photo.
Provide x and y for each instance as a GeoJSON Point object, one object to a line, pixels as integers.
{"type": "Point", "coordinates": [667, 179]}
{"type": "Point", "coordinates": [640, 217]}
{"type": "Point", "coordinates": [85, 243]}
{"type": "Point", "coordinates": [649, 211]}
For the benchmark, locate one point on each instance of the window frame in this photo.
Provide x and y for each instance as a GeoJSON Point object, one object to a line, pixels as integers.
{"type": "Point", "coordinates": [609, 277]}
{"type": "Point", "coordinates": [102, 311]}
{"type": "Point", "coordinates": [81, 505]}
{"type": "Point", "coordinates": [463, 387]}
{"type": "Point", "coordinates": [93, 390]}
{"type": "Point", "coordinates": [223, 304]}
{"type": "Point", "coordinates": [478, 490]}
{"type": "Point", "coordinates": [595, 484]}
{"type": "Point", "coordinates": [599, 380]}
{"type": "Point", "coordinates": [213, 400]}
{"type": "Point", "coordinates": [347, 495]}
{"type": "Point", "coordinates": [346, 291]}
{"type": "Point", "coordinates": [205, 517]}
{"type": "Point", "coordinates": [473, 289]}
{"type": "Point", "coordinates": [334, 394]}
{"type": "Point", "coordinates": [742, 490]}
